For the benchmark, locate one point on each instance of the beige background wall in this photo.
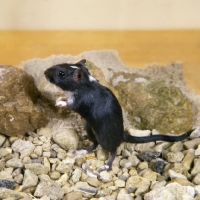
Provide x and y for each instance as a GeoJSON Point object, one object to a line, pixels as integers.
{"type": "Point", "coordinates": [99, 14]}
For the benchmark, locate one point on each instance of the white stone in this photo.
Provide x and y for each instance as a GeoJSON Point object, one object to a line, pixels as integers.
{"type": "Point", "coordinates": [30, 179]}
{"type": "Point", "coordinates": [174, 174]}
{"type": "Point", "coordinates": [20, 145]}
{"type": "Point", "coordinates": [172, 191]}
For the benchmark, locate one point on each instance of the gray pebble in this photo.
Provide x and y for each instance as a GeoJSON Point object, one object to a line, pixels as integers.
{"type": "Point", "coordinates": [149, 155]}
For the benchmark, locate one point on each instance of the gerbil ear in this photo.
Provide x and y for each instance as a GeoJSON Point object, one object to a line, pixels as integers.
{"type": "Point", "coordinates": [81, 62]}
{"type": "Point", "coordinates": [77, 76]}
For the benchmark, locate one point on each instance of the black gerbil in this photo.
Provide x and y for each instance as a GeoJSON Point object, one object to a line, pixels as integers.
{"type": "Point", "coordinates": [98, 106]}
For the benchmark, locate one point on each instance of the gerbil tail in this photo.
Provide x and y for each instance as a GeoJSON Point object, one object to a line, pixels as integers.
{"type": "Point", "coordinates": [134, 139]}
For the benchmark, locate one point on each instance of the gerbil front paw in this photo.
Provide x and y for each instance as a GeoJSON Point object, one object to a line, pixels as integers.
{"type": "Point", "coordinates": [61, 102]}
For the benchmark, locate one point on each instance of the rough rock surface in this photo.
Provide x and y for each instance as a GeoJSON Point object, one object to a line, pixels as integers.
{"type": "Point", "coordinates": [150, 101]}
{"type": "Point", "coordinates": [18, 95]}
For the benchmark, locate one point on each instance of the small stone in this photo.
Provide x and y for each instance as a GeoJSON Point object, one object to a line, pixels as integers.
{"type": "Point", "coordinates": [196, 169]}
{"type": "Point", "coordinates": [49, 188]}
{"type": "Point", "coordinates": [63, 179]}
{"type": "Point", "coordinates": [66, 139]}
{"type": "Point", "coordinates": [126, 153]}
{"type": "Point", "coordinates": [93, 181]}
{"type": "Point", "coordinates": [43, 139]}
{"type": "Point", "coordinates": [174, 156]}
{"type": "Point", "coordinates": [38, 150]}
{"type": "Point", "coordinates": [36, 141]}
{"type": "Point", "coordinates": [143, 165]}
{"type": "Point", "coordinates": [32, 134]}
{"type": "Point", "coordinates": [84, 177]}
{"type": "Point", "coordinates": [130, 147]}
{"type": "Point", "coordinates": [7, 193]}
{"type": "Point", "coordinates": [17, 172]}
{"type": "Point", "coordinates": [177, 146]}
{"type": "Point", "coordinates": [104, 192]}
{"type": "Point", "coordinates": [76, 175]}
{"type": "Point", "coordinates": [120, 183]}
{"type": "Point", "coordinates": [25, 152]}
{"type": "Point", "coordinates": [15, 163]}
{"type": "Point", "coordinates": [44, 132]}
{"type": "Point", "coordinates": [149, 155]}
{"type": "Point", "coordinates": [37, 168]}
{"type": "Point", "coordinates": [3, 152]}
{"type": "Point", "coordinates": [54, 175]}
{"type": "Point", "coordinates": [6, 173]}
{"type": "Point", "coordinates": [19, 179]}
{"type": "Point", "coordinates": [174, 175]}
{"type": "Point", "coordinates": [20, 145]}
{"type": "Point", "coordinates": [7, 184]}
{"type": "Point", "coordinates": [79, 161]}
{"type": "Point", "coordinates": [46, 154]}
{"type": "Point", "coordinates": [188, 159]}
{"type": "Point", "coordinates": [124, 176]}
{"type": "Point", "coordinates": [161, 146]}
{"type": "Point", "coordinates": [34, 156]}
{"type": "Point", "coordinates": [85, 188]}
{"type": "Point", "coordinates": [105, 176]}
{"type": "Point", "coordinates": [196, 179]}
{"type": "Point", "coordinates": [63, 168]}
{"type": "Point", "coordinates": [134, 160]}
{"type": "Point", "coordinates": [178, 168]}
{"type": "Point", "coordinates": [30, 179]}
{"type": "Point", "coordinates": [192, 144]}
{"type": "Point", "coordinates": [195, 133]}
{"type": "Point", "coordinates": [144, 147]}
{"type": "Point", "coordinates": [102, 155]}
{"type": "Point", "coordinates": [125, 163]}
{"type": "Point", "coordinates": [46, 147]}
{"type": "Point", "coordinates": [123, 194]}
{"type": "Point", "coordinates": [141, 184]}
{"type": "Point", "coordinates": [150, 175]}
{"type": "Point", "coordinates": [158, 184]}
{"type": "Point", "coordinates": [159, 166]}
{"type": "Point", "coordinates": [73, 196]}
{"type": "Point", "coordinates": [68, 160]}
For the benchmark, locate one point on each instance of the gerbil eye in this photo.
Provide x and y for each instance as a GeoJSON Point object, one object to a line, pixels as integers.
{"type": "Point", "coordinates": [61, 73]}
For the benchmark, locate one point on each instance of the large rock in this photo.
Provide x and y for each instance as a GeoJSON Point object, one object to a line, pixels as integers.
{"type": "Point", "coordinates": [153, 104]}
{"type": "Point", "coordinates": [18, 95]}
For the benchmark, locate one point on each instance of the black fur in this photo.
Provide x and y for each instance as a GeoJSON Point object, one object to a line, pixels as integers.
{"type": "Point", "coordinates": [99, 107]}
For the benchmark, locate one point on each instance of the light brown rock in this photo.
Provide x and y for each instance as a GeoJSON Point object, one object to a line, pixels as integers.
{"type": "Point", "coordinates": [18, 95]}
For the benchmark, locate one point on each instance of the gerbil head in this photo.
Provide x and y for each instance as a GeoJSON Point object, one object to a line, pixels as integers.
{"type": "Point", "coordinates": [69, 76]}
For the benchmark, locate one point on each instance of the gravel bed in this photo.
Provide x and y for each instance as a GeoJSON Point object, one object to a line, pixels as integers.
{"type": "Point", "coordinates": [36, 166]}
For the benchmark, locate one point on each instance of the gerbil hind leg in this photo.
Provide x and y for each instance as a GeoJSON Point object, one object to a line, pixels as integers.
{"type": "Point", "coordinates": [91, 137]}
{"type": "Point", "coordinates": [108, 165]}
